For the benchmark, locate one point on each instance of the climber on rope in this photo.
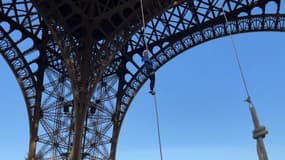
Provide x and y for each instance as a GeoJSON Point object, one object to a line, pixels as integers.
{"type": "Point", "coordinates": [148, 64]}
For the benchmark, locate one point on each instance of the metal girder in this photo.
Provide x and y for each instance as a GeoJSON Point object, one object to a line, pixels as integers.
{"type": "Point", "coordinates": [26, 77]}
{"type": "Point", "coordinates": [112, 60]}
{"type": "Point", "coordinates": [89, 34]}
{"type": "Point", "coordinates": [176, 30]}
{"type": "Point", "coordinates": [167, 49]}
{"type": "Point", "coordinates": [26, 53]}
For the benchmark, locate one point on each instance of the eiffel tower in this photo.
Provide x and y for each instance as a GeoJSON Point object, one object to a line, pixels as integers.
{"type": "Point", "coordinates": [78, 64]}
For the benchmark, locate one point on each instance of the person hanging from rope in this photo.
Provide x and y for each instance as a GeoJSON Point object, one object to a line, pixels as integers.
{"type": "Point", "coordinates": [148, 64]}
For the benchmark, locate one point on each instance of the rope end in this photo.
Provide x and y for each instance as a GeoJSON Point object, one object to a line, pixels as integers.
{"type": "Point", "coordinates": [248, 100]}
{"type": "Point", "coordinates": [152, 92]}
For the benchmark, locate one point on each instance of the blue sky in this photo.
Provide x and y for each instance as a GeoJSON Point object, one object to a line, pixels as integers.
{"type": "Point", "coordinates": [200, 99]}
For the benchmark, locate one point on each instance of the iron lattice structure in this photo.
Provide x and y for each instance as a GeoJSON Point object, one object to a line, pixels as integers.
{"type": "Point", "coordinates": [78, 62]}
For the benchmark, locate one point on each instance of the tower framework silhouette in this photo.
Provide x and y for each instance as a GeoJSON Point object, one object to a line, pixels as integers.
{"type": "Point", "coordinates": [78, 62]}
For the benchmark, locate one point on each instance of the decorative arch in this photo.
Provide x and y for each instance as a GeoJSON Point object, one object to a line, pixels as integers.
{"type": "Point", "coordinates": [168, 47]}
{"type": "Point", "coordinates": [177, 30]}
{"type": "Point", "coordinates": [26, 47]}
{"type": "Point", "coordinates": [20, 68]}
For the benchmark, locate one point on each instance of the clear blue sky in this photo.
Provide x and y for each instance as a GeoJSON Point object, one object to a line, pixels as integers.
{"type": "Point", "coordinates": [200, 98]}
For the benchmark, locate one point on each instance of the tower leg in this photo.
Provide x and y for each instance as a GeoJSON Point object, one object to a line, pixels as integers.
{"type": "Point", "coordinates": [81, 104]}
{"type": "Point", "coordinates": [32, 147]}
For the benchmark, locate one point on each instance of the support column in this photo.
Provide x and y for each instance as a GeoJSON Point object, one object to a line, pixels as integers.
{"type": "Point", "coordinates": [81, 104]}
{"type": "Point", "coordinates": [116, 130]}
{"type": "Point", "coordinates": [116, 117]}
{"type": "Point", "coordinates": [34, 130]}
{"type": "Point", "coordinates": [34, 125]}
{"type": "Point", "coordinates": [32, 143]}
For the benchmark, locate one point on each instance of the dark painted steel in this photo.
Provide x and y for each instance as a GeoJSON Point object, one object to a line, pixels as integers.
{"type": "Point", "coordinates": [83, 66]}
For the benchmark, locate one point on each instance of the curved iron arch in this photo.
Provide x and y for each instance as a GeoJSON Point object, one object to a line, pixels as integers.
{"type": "Point", "coordinates": [29, 24]}
{"type": "Point", "coordinates": [171, 50]}
{"type": "Point", "coordinates": [178, 36]}
{"type": "Point", "coordinates": [20, 68]}
{"type": "Point", "coordinates": [191, 39]}
{"type": "Point", "coordinates": [20, 19]}
{"type": "Point", "coordinates": [26, 78]}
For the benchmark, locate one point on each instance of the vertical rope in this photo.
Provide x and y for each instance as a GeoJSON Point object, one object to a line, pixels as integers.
{"type": "Point", "coordinates": [143, 21]}
{"type": "Point", "coordinates": [155, 102]}
{"type": "Point", "coordinates": [238, 60]}
{"type": "Point", "coordinates": [259, 132]}
{"type": "Point", "coordinates": [158, 127]}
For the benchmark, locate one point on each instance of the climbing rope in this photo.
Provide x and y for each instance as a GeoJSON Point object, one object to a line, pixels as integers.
{"type": "Point", "coordinates": [248, 100]}
{"type": "Point", "coordinates": [157, 125]}
{"type": "Point", "coordinates": [154, 96]}
{"type": "Point", "coordinates": [144, 26]}
{"type": "Point", "coordinates": [259, 131]}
